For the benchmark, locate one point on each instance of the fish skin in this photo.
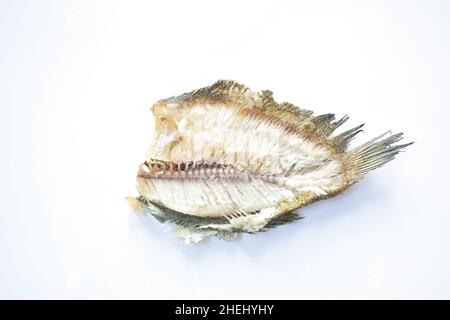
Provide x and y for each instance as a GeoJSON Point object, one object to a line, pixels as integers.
{"type": "Point", "coordinates": [225, 151]}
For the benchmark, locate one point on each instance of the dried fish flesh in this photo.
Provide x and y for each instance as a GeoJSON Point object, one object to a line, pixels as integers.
{"type": "Point", "coordinates": [226, 160]}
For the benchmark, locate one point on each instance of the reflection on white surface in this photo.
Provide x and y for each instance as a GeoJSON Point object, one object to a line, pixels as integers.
{"type": "Point", "coordinates": [76, 85]}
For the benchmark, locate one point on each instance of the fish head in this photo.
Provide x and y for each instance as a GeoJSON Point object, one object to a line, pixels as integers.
{"type": "Point", "coordinates": [167, 115]}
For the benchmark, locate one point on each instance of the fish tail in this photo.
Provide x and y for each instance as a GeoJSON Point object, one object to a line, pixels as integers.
{"type": "Point", "coordinates": [372, 154]}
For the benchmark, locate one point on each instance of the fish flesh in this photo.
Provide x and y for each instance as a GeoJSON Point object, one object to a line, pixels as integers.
{"type": "Point", "coordinates": [226, 160]}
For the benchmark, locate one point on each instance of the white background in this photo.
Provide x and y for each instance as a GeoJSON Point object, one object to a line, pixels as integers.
{"type": "Point", "coordinates": [77, 79]}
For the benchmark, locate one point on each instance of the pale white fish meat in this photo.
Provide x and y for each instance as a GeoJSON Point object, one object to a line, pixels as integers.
{"type": "Point", "coordinates": [226, 160]}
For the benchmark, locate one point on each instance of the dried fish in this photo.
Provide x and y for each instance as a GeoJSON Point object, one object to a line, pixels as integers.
{"type": "Point", "coordinates": [226, 160]}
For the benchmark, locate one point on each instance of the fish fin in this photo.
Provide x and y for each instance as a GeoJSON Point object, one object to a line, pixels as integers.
{"type": "Point", "coordinates": [325, 124]}
{"type": "Point", "coordinates": [225, 91]}
{"type": "Point", "coordinates": [372, 154]}
{"type": "Point", "coordinates": [228, 91]}
{"type": "Point", "coordinates": [164, 214]}
{"type": "Point", "coordinates": [282, 220]}
{"type": "Point", "coordinates": [220, 224]}
{"type": "Point", "coordinates": [284, 110]}
{"type": "Point", "coordinates": [341, 141]}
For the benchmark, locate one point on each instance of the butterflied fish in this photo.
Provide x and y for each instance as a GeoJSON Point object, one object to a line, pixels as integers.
{"type": "Point", "coordinates": [226, 160]}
